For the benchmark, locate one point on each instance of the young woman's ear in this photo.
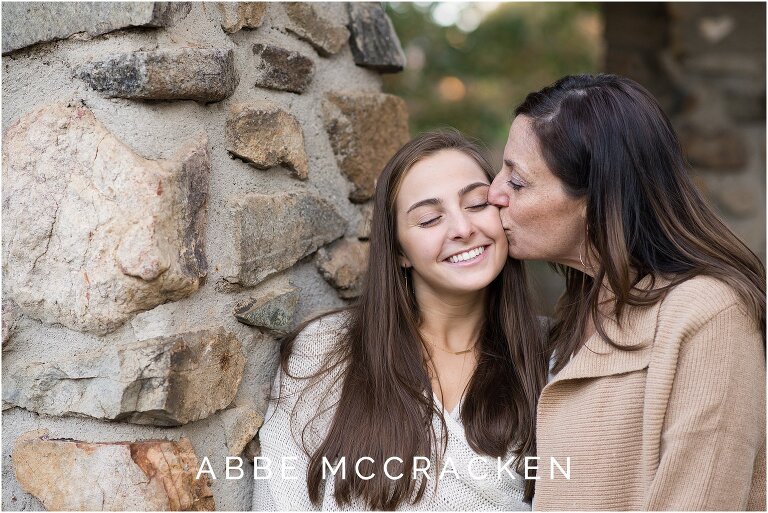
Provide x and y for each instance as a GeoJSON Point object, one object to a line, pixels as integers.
{"type": "Point", "coordinates": [404, 261]}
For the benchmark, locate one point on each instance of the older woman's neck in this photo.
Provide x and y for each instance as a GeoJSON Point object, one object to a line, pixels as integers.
{"type": "Point", "coordinates": [452, 322]}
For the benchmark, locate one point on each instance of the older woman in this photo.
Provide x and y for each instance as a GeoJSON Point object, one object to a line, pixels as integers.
{"type": "Point", "coordinates": [658, 395]}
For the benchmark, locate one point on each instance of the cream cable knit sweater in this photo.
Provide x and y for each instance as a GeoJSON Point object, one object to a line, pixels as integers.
{"type": "Point", "coordinates": [281, 431]}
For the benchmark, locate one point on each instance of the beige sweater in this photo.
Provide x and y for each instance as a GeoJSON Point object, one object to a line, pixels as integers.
{"type": "Point", "coordinates": [679, 425]}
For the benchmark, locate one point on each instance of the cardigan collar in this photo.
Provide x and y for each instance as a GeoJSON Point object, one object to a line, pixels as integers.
{"type": "Point", "coordinates": [636, 328]}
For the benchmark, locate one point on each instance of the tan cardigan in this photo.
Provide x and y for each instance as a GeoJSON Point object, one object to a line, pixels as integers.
{"type": "Point", "coordinates": [679, 425]}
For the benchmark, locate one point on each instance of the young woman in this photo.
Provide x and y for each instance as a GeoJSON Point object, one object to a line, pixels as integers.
{"type": "Point", "coordinates": [425, 388]}
{"type": "Point", "coordinates": [659, 342]}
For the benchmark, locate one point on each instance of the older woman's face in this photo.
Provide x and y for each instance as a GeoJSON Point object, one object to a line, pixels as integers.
{"type": "Point", "coordinates": [541, 221]}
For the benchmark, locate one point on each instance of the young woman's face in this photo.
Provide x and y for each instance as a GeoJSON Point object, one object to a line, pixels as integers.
{"type": "Point", "coordinates": [448, 233]}
{"type": "Point", "coordinates": [541, 221]}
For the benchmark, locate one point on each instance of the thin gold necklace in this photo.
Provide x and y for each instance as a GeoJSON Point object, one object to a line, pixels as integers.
{"type": "Point", "coordinates": [465, 351]}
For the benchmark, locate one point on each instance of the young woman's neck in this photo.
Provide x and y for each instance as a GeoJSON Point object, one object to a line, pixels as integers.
{"type": "Point", "coordinates": [451, 322]}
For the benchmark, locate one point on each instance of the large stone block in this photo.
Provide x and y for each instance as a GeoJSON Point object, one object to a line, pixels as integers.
{"type": "Point", "coordinates": [282, 69]}
{"type": "Point", "coordinates": [166, 381]}
{"type": "Point", "coordinates": [323, 34]}
{"type": "Point", "coordinates": [92, 231]}
{"type": "Point", "coordinates": [365, 130]}
{"type": "Point", "coordinates": [273, 232]}
{"type": "Point", "coordinates": [241, 424]}
{"type": "Point", "coordinates": [236, 16]}
{"type": "Point", "coordinates": [201, 74]}
{"type": "Point", "coordinates": [722, 149]}
{"type": "Point", "coordinates": [27, 23]}
{"type": "Point", "coordinates": [265, 135]}
{"type": "Point", "coordinates": [146, 475]}
{"type": "Point", "coordinates": [374, 42]}
{"type": "Point", "coordinates": [273, 309]}
{"type": "Point", "coordinates": [343, 265]}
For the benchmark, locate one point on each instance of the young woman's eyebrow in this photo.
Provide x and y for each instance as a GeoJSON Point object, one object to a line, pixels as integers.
{"type": "Point", "coordinates": [437, 201]}
{"type": "Point", "coordinates": [430, 201]}
{"type": "Point", "coordinates": [471, 187]}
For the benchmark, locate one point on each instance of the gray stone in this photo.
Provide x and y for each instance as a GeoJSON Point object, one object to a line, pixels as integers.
{"type": "Point", "coordinates": [146, 475]}
{"type": "Point", "coordinates": [282, 69]}
{"type": "Point", "coordinates": [365, 130]}
{"type": "Point", "coordinates": [201, 74]}
{"type": "Point", "coordinates": [265, 135]}
{"type": "Point", "coordinates": [236, 16]}
{"type": "Point", "coordinates": [374, 42]}
{"type": "Point", "coordinates": [273, 309]}
{"type": "Point", "coordinates": [11, 315]}
{"type": "Point", "coordinates": [156, 381]}
{"type": "Point", "coordinates": [241, 424]}
{"type": "Point", "coordinates": [93, 232]}
{"type": "Point", "coordinates": [721, 149]}
{"type": "Point", "coordinates": [27, 23]}
{"type": "Point", "coordinates": [343, 264]}
{"type": "Point", "coordinates": [324, 35]}
{"type": "Point", "coordinates": [273, 232]}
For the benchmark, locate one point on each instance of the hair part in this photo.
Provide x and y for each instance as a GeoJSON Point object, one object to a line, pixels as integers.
{"type": "Point", "coordinates": [607, 139]}
{"type": "Point", "coordinates": [386, 405]}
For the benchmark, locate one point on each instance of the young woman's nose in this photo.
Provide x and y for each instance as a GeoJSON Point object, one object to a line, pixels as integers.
{"type": "Point", "coordinates": [496, 194]}
{"type": "Point", "coordinates": [461, 227]}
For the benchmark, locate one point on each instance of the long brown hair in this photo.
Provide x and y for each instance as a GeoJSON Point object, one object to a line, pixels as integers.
{"type": "Point", "coordinates": [386, 406]}
{"type": "Point", "coordinates": [607, 139]}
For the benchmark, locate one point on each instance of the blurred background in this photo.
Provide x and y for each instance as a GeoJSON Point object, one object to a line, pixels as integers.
{"type": "Point", "coordinates": [469, 64]}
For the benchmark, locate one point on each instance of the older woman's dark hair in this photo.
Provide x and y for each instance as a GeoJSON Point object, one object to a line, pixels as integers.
{"type": "Point", "coordinates": [386, 405]}
{"type": "Point", "coordinates": [607, 139]}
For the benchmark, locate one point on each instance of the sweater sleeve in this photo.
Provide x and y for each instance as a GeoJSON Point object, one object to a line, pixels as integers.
{"type": "Point", "coordinates": [713, 433]}
{"type": "Point", "coordinates": [292, 421]}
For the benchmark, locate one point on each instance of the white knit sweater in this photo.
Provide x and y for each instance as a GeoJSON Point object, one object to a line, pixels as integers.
{"type": "Point", "coordinates": [281, 437]}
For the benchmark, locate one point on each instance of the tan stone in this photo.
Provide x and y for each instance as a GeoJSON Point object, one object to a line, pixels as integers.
{"type": "Point", "coordinates": [165, 381]}
{"type": "Point", "coordinates": [147, 475]}
{"type": "Point", "coordinates": [324, 35]}
{"type": "Point", "coordinates": [265, 135]}
{"type": "Point", "coordinates": [343, 264]}
{"type": "Point", "coordinates": [365, 130]}
{"type": "Point", "coordinates": [241, 15]}
{"type": "Point", "coordinates": [366, 217]}
{"type": "Point", "coordinates": [93, 232]}
{"type": "Point", "coordinates": [273, 232]}
{"type": "Point", "coordinates": [241, 424]}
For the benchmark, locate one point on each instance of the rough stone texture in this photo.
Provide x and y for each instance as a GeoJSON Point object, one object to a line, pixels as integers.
{"type": "Point", "coordinates": [323, 34]}
{"type": "Point", "coordinates": [374, 42]}
{"type": "Point", "coordinates": [365, 130]}
{"type": "Point", "coordinates": [274, 309]}
{"type": "Point", "coordinates": [165, 381]}
{"type": "Point", "coordinates": [241, 424]}
{"type": "Point", "coordinates": [721, 149]}
{"type": "Point", "coordinates": [146, 475]}
{"type": "Point", "coordinates": [236, 16]}
{"type": "Point", "coordinates": [343, 265]}
{"type": "Point", "coordinates": [94, 232]}
{"type": "Point", "coordinates": [274, 232]}
{"type": "Point", "coordinates": [282, 69]}
{"type": "Point", "coordinates": [11, 315]}
{"type": "Point", "coordinates": [364, 227]}
{"type": "Point", "coordinates": [156, 380]}
{"type": "Point", "coordinates": [58, 20]}
{"type": "Point", "coordinates": [265, 135]}
{"type": "Point", "coordinates": [201, 74]}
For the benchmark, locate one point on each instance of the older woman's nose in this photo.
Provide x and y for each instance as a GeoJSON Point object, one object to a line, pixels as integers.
{"type": "Point", "coordinates": [496, 194]}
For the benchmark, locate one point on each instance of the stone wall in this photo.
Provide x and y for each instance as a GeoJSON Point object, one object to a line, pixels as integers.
{"type": "Point", "coordinates": [706, 64]}
{"type": "Point", "coordinates": [182, 182]}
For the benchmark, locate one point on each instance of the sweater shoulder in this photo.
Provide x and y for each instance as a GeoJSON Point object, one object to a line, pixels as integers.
{"type": "Point", "coordinates": [317, 341]}
{"type": "Point", "coordinates": [696, 301]}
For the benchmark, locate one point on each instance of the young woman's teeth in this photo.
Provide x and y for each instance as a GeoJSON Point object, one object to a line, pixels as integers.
{"type": "Point", "coordinates": [467, 255]}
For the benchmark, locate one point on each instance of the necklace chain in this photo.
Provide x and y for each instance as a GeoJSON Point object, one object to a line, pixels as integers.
{"type": "Point", "coordinates": [464, 351]}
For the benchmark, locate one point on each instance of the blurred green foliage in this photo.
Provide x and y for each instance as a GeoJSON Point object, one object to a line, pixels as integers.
{"type": "Point", "coordinates": [473, 79]}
